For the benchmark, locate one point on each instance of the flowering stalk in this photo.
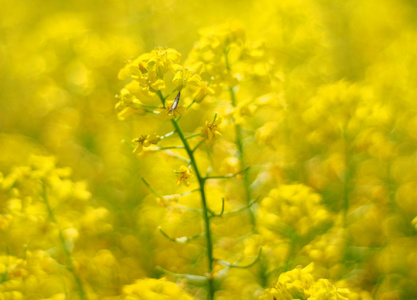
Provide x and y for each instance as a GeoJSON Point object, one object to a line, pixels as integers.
{"type": "Point", "coordinates": [201, 181]}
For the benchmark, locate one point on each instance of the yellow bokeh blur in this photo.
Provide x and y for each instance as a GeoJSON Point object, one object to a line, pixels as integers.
{"type": "Point", "coordinates": [208, 149]}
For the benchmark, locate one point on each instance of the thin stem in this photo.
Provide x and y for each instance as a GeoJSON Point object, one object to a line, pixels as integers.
{"type": "Point", "coordinates": [189, 105]}
{"type": "Point", "coordinates": [167, 135]}
{"type": "Point", "coordinates": [199, 144]}
{"type": "Point", "coordinates": [170, 147]}
{"type": "Point", "coordinates": [201, 182]}
{"type": "Point", "coordinates": [67, 251]}
{"type": "Point", "coordinates": [225, 263]}
{"type": "Point", "coordinates": [213, 214]}
{"type": "Point", "coordinates": [240, 209]}
{"type": "Point", "coordinates": [214, 119]}
{"type": "Point", "coordinates": [159, 93]}
{"type": "Point", "coordinates": [181, 240]}
{"type": "Point", "coordinates": [148, 106]}
{"type": "Point", "coordinates": [193, 135]}
{"type": "Point", "coordinates": [186, 208]}
{"type": "Point", "coordinates": [195, 279]}
{"type": "Point", "coordinates": [226, 176]}
{"type": "Point", "coordinates": [188, 192]}
{"type": "Point", "coordinates": [151, 188]}
{"type": "Point", "coordinates": [170, 94]}
{"type": "Point", "coordinates": [177, 156]}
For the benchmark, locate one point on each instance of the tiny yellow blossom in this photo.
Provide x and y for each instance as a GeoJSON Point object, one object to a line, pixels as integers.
{"type": "Point", "coordinates": [150, 288]}
{"type": "Point", "coordinates": [145, 141]}
{"type": "Point", "coordinates": [163, 60]}
{"type": "Point", "coordinates": [182, 175]}
{"type": "Point", "coordinates": [171, 110]}
{"type": "Point", "coordinates": [186, 77]}
{"type": "Point", "coordinates": [167, 200]}
{"type": "Point", "coordinates": [203, 91]}
{"type": "Point", "coordinates": [211, 129]}
{"type": "Point", "coordinates": [299, 283]}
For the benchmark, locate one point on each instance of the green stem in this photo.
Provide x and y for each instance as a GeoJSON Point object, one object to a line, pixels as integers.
{"type": "Point", "coordinates": [159, 93]}
{"type": "Point", "coordinates": [226, 176]}
{"type": "Point", "coordinates": [241, 157]}
{"type": "Point", "coordinates": [201, 182]}
{"type": "Point", "coordinates": [151, 188]}
{"type": "Point", "coordinates": [67, 251]}
{"type": "Point", "coordinates": [170, 147]}
{"type": "Point", "coordinates": [193, 135]}
{"type": "Point", "coordinates": [199, 144]}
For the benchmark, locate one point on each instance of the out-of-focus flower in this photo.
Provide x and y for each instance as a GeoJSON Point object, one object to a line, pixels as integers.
{"type": "Point", "coordinates": [145, 141]}
{"type": "Point", "coordinates": [187, 77]}
{"type": "Point", "coordinates": [171, 110]}
{"type": "Point", "coordinates": [183, 174]}
{"type": "Point", "coordinates": [294, 208]}
{"type": "Point", "coordinates": [128, 105]}
{"type": "Point", "coordinates": [150, 289]}
{"type": "Point", "coordinates": [299, 283]}
{"type": "Point", "coordinates": [202, 91]}
{"type": "Point", "coordinates": [266, 135]}
{"type": "Point", "coordinates": [211, 129]}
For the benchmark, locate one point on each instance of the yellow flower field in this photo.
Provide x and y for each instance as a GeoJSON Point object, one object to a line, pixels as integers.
{"type": "Point", "coordinates": [208, 150]}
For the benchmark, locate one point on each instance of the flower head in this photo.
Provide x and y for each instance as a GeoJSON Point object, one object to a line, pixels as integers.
{"type": "Point", "coordinates": [211, 129]}
{"type": "Point", "coordinates": [203, 90]}
{"type": "Point", "coordinates": [187, 77]}
{"type": "Point", "coordinates": [172, 108]}
{"type": "Point", "coordinates": [163, 60]}
{"type": "Point", "coordinates": [145, 141]}
{"type": "Point", "coordinates": [150, 288]}
{"type": "Point", "coordinates": [183, 174]}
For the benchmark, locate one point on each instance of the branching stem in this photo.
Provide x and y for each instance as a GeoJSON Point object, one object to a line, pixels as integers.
{"type": "Point", "coordinates": [201, 182]}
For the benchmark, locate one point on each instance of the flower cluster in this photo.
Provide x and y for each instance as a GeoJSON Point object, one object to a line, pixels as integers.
{"type": "Point", "coordinates": [294, 209]}
{"type": "Point", "coordinates": [42, 200]}
{"type": "Point", "coordinates": [299, 283]}
{"type": "Point", "coordinates": [154, 289]}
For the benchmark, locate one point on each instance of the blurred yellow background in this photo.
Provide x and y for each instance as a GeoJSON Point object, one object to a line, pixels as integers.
{"type": "Point", "coordinates": [341, 128]}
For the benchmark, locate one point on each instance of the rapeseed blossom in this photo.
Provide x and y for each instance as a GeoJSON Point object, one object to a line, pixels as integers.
{"type": "Point", "coordinates": [182, 175]}
{"type": "Point", "coordinates": [274, 150]}
{"type": "Point", "coordinates": [210, 129]}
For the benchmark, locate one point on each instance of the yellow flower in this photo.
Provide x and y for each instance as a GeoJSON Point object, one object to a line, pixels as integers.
{"type": "Point", "coordinates": [211, 129]}
{"type": "Point", "coordinates": [167, 200]}
{"type": "Point", "coordinates": [128, 104]}
{"type": "Point", "coordinates": [150, 288]}
{"type": "Point", "coordinates": [203, 91]}
{"type": "Point", "coordinates": [145, 141]}
{"type": "Point", "coordinates": [172, 108]}
{"type": "Point", "coordinates": [182, 175]}
{"type": "Point", "coordinates": [299, 283]}
{"type": "Point", "coordinates": [186, 76]}
{"type": "Point", "coordinates": [294, 207]}
{"type": "Point", "coordinates": [163, 60]}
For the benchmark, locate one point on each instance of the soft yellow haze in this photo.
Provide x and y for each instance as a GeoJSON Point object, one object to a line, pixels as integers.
{"type": "Point", "coordinates": [208, 149]}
